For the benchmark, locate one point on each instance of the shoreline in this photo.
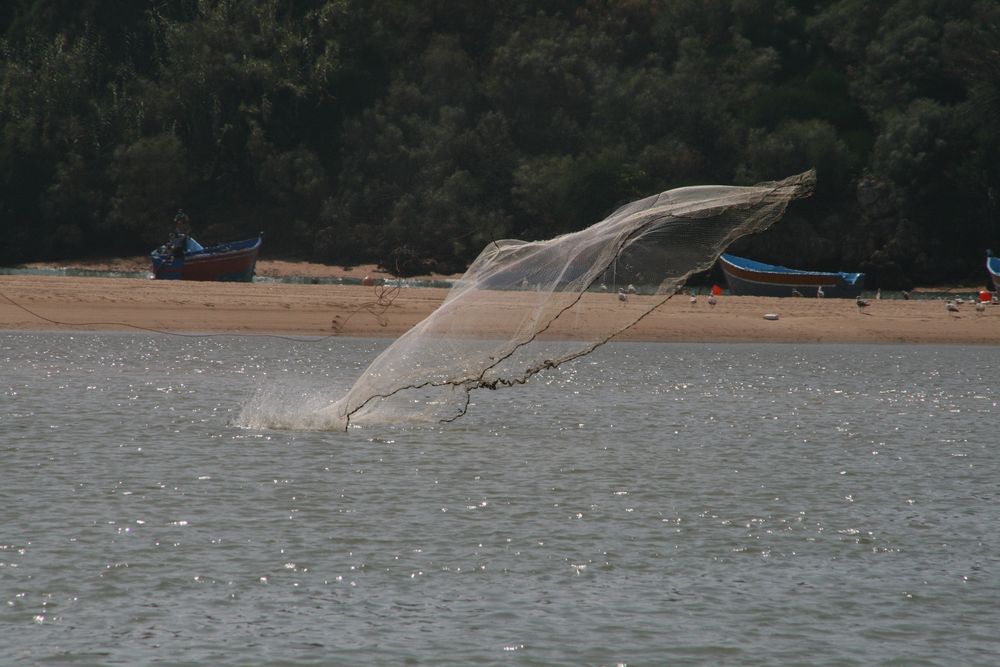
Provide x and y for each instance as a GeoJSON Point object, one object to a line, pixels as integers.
{"type": "Point", "coordinates": [276, 269]}
{"type": "Point", "coordinates": [64, 303]}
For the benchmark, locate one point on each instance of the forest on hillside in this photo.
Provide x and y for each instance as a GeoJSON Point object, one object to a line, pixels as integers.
{"type": "Point", "coordinates": [411, 133]}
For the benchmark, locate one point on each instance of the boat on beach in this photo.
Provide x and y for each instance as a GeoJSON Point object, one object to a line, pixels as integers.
{"type": "Point", "coordinates": [746, 277]}
{"type": "Point", "coordinates": [228, 262]}
{"type": "Point", "coordinates": [993, 266]}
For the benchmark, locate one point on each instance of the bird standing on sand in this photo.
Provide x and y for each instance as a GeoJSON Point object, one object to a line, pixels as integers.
{"type": "Point", "coordinates": [622, 296]}
{"type": "Point", "coordinates": [862, 304]}
{"type": "Point", "coordinates": [630, 289]}
{"type": "Point", "coordinates": [906, 295]}
{"type": "Point", "coordinates": [952, 308]}
{"type": "Point", "coordinates": [980, 307]}
{"type": "Point", "coordinates": [693, 299]}
{"type": "Point", "coordinates": [819, 292]}
{"type": "Point", "coordinates": [711, 299]}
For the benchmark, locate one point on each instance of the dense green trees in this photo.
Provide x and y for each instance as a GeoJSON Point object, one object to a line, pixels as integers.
{"type": "Point", "coordinates": [412, 133]}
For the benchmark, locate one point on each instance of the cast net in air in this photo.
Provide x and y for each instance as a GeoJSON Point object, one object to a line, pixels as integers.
{"type": "Point", "coordinates": [523, 307]}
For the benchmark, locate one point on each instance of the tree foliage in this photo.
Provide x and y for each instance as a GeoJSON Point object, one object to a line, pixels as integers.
{"type": "Point", "coordinates": [413, 133]}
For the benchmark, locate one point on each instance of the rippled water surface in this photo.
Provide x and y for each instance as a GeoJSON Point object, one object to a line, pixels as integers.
{"type": "Point", "coordinates": [650, 504]}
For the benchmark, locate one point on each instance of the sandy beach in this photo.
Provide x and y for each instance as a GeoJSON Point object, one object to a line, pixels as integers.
{"type": "Point", "coordinates": [58, 303]}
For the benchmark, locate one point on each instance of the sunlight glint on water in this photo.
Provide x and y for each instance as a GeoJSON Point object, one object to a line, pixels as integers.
{"type": "Point", "coordinates": [649, 504]}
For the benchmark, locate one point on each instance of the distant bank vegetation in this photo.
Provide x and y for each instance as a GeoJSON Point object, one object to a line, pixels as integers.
{"type": "Point", "coordinates": [413, 132]}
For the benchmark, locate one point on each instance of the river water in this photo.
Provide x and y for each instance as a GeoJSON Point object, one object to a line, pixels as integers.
{"type": "Point", "coordinates": [652, 504]}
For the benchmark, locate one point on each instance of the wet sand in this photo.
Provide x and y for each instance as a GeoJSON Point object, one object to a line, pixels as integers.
{"type": "Point", "coordinates": [127, 304]}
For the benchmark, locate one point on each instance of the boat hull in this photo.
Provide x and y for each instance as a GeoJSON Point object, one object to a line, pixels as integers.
{"type": "Point", "coordinates": [226, 262]}
{"type": "Point", "coordinates": [748, 278]}
{"type": "Point", "coordinates": [993, 266]}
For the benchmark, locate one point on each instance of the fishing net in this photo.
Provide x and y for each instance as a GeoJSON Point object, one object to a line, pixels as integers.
{"type": "Point", "coordinates": [523, 307]}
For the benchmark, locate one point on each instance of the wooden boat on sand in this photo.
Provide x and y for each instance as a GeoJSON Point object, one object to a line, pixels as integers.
{"type": "Point", "coordinates": [746, 277]}
{"type": "Point", "coordinates": [229, 262]}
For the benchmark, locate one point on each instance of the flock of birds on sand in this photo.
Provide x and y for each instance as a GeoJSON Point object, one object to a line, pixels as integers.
{"type": "Point", "coordinates": [623, 292]}
{"type": "Point", "coordinates": [951, 305]}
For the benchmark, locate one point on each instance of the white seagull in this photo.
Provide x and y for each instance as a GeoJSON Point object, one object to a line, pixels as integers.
{"type": "Point", "coordinates": [711, 299]}
{"type": "Point", "coordinates": [622, 296]}
{"type": "Point", "coordinates": [952, 307]}
{"type": "Point", "coordinates": [819, 292]}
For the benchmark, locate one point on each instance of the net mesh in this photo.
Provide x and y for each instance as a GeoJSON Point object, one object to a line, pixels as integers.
{"type": "Point", "coordinates": [523, 307]}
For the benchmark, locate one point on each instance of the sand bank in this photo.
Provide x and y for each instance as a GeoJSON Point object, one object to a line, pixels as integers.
{"type": "Point", "coordinates": [124, 304]}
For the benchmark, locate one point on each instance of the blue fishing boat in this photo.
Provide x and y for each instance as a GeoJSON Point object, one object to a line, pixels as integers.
{"type": "Point", "coordinates": [230, 262]}
{"type": "Point", "coordinates": [746, 277]}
